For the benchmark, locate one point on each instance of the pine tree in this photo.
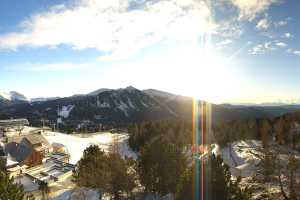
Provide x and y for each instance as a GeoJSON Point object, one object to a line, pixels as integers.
{"type": "Point", "coordinates": [218, 185]}
{"type": "Point", "coordinates": [8, 189]}
{"type": "Point", "coordinates": [45, 190]}
{"type": "Point", "coordinates": [265, 132]}
{"type": "Point", "coordinates": [121, 180]}
{"type": "Point", "coordinates": [106, 173]}
{"type": "Point", "coordinates": [92, 170]}
{"type": "Point", "coordinates": [160, 166]}
{"type": "Point", "coordinates": [293, 177]}
{"type": "Point", "coordinates": [268, 164]}
{"type": "Point", "coordinates": [279, 130]}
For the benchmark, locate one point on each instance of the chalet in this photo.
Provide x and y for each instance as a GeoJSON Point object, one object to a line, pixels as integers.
{"type": "Point", "coordinates": [28, 150]}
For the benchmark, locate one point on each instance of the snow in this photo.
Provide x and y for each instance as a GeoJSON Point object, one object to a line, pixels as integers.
{"type": "Point", "coordinates": [76, 144]}
{"type": "Point", "coordinates": [27, 183]}
{"type": "Point", "coordinates": [78, 193]}
{"type": "Point", "coordinates": [130, 103]}
{"type": "Point", "coordinates": [122, 106]}
{"type": "Point", "coordinates": [103, 105]}
{"type": "Point", "coordinates": [242, 157]}
{"type": "Point", "coordinates": [65, 111]}
{"type": "Point", "coordinates": [43, 99]}
{"type": "Point", "coordinates": [5, 95]}
{"type": "Point", "coordinates": [144, 104]}
{"type": "Point", "coordinates": [13, 96]}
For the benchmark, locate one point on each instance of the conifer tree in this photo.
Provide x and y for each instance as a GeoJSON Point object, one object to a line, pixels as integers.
{"type": "Point", "coordinates": [8, 189]}
{"type": "Point", "coordinates": [218, 185]}
{"type": "Point", "coordinates": [160, 166]}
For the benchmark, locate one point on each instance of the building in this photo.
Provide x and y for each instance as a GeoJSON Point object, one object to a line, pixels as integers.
{"type": "Point", "coordinates": [27, 150]}
{"type": "Point", "coordinates": [58, 147]}
{"type": "Point", "coordinates": [13, 123]}
{"type": "Point", "coordinates": [50, 171]}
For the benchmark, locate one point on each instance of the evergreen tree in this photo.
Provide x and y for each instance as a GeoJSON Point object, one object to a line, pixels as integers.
{"type": "Point", "coordinates": [8, 189]}
{"type": "Point", "coordinates": [218, 184]}
{"type": "Point", "coordinates": [279, 130]}
{"type": "Point", "coordinates": [121, 180]}
{"type": "Point", "coordinates": [268, 164]}
{"type": "Point", "coordinates": [92, 170]}
{"type": "Point", "coordinates": [160, 166]}
{"type": "Point", "coordinates": [293, 178]}
{"type": "Point", "coordinates": [45, 190]}
{"type": "Point", "coordinates": [107, 173]}
{"type": "Point", "coordinates": [265, 132]}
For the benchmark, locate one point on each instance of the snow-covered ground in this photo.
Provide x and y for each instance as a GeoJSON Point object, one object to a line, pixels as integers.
{"type": "Point", "coordinates": [79, 193]}
{"type": "Point", "coordinates": [76, 144]}
{"type": "Point", "coordinates": [242, 157]}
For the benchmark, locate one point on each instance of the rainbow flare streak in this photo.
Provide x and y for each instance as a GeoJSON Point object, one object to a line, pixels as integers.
{"type": "Point", "coordinates": [201, 137]}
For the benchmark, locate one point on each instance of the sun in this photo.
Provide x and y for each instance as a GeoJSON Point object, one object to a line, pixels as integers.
{"type": "Point", "coordinates": [206, 75]}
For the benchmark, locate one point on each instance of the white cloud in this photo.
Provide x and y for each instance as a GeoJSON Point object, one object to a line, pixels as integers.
{"type": "Point", "coordinates": [287, 35]}
{"type": "Point", "coordinates": [281, 44]}
{"type": "Point", "coordinates": [258, 49]}
{"type": "Point", "coordinates": [262, 48]}
{"type": "Point", "coordinates": [224, 42]}
{"type": "Point", "coordinates": [295, 52]}
{"type": "Point", "coordinates": [113, 26]}
{"type": "Point", "coordinates": [280, 23]}
{"type": "Point", "coordinates": [263, 24]}
{"type": "Point", "coordinates": [249, 9]}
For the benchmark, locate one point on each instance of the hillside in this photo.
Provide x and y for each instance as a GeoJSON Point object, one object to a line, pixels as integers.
{"type": "Point", "coordinates": [127, 105]}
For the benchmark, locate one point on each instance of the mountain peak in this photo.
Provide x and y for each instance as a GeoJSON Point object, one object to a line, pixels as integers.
{"type": "Point", "coordinates": [130, 88]}
{"type": "Point", "coordinates": [13, 96]}
{"type": "Point", "coordinates": [96, 92]}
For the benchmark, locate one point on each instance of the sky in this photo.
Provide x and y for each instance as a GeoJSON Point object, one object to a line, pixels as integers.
{"type": "Point", "coordinates": [223, 51]}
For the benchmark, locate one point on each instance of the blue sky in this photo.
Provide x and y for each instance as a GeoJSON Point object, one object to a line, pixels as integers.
{"type": "Point", "coordinates": [217, 50]}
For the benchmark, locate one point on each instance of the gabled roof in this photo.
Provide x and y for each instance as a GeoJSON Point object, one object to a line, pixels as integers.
{"type": "Point", "coordinates": [17, 152]}
{"type": "Point", "coordinates": [37, 139]}
{"type": "Point", "coordinates": [31, 138]}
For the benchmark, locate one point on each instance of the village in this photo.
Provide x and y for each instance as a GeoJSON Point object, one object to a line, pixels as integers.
{"type": "Point", "coordinates": [37, 156]}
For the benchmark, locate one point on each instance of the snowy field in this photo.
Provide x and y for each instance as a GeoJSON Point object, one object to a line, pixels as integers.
{"type": "Point", "coordinates": [76, 144]}
{"type": "Point", "coordinates": [242, 157]}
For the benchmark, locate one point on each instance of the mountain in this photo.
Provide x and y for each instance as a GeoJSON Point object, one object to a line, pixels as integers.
{"type": "Point", "coordinates": [98, 91]}
{"type": "Point", "coordinates": [158, 93]}
{"type": "Point", "coordinates": [13, 96]}
{"type": "Point", "coordinates": [127, 105]}
{"type": "Point", "coordinates": [123, 105]}
{"type": "Point", "coordinates": [43, 99]}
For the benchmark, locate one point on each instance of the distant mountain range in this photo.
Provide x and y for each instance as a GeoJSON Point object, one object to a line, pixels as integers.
{"type": "Point", "coordinates": [126, 105]}
{"type": "Point", "coordinates": [12, 96]}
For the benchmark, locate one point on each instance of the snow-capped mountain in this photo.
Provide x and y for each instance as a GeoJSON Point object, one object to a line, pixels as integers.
{"type": "Point", "coordinates": [13, 96]}
{"type": "Point", "coordinates": [43, 99]}
{"type": "Point", "coordinates": [158, 93]}
{"type": "Point", "coordinates": [98, 91]}
{"type": "Point", "coordinates": [125, 105]}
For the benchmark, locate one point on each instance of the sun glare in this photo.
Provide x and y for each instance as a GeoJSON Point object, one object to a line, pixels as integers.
{"type": "Point", "coordinates": [207, 76]}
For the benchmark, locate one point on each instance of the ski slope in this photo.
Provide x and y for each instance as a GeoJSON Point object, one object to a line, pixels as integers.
{"type": "Point", "coordinates": [76, 144]}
